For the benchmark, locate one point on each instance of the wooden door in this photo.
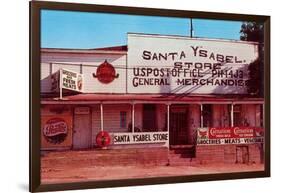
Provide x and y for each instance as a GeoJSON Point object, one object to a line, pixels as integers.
{"type": "Point", "coordinates": [178, 126]}
{"type": "Point", "coordinates": [149, 117]}
{"type": "Point", "coordinates": [82, 132]}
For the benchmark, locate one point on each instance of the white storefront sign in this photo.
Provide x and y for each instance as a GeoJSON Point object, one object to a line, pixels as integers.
{"type": "Point", "coordinates": [140, 138]}
{"type": "Point", "coordinates": [66, 79]}
{"type": "Point", "coordinates": [71, 80]}
{"type": "Point", "coordinates": [173, 64]}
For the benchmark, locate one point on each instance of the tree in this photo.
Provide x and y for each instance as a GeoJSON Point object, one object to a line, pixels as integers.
{"type": "Point", "coordinates": [253, 31]}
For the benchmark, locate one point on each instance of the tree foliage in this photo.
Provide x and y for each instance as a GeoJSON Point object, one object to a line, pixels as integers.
{"type": "Point", "coordinates": [253, 31]}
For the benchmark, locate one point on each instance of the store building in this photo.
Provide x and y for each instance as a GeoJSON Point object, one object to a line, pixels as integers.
{"type": "Point", "coordinates": [159, 95]}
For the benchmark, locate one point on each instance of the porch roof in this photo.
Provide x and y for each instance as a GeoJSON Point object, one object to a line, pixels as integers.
{"type": "Point", "coordinates": [155, 98]}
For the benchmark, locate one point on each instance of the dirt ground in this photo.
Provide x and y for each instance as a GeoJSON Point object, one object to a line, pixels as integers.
{"type": "Point", "coordinates": [65, 173]}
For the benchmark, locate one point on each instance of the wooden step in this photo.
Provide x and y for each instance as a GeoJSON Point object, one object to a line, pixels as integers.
{"type": "Point", "coordinates": [181, 146]}
{"type": "Point", "coordinates": [183, 152]}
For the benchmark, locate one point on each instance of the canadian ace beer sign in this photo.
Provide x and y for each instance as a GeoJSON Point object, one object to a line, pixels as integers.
{"type": "Point", "coordinates": [171, 64]}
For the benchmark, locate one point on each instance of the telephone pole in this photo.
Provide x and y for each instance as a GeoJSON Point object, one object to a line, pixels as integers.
{"type": "Point", "coordinates": [191, 28]}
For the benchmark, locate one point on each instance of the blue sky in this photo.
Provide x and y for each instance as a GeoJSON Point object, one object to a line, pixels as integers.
{"type": "Point", "coordinates": [67, 29]}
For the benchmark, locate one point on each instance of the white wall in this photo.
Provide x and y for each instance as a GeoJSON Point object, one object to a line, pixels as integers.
{"type": "Point", "coordinates": [138, 115]}
{"type": "Point", "coordinates": [161, 114]}
{"type": "Point", "coordinates": [111, 118]}
{"type": "Point", "coordinates": [51, 62]}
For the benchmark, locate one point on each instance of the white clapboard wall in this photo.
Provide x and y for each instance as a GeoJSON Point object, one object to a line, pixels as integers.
{"type": "Point", "coordinates": [86, 64]}
{"type": "Point", "coordinates": [111, 115]}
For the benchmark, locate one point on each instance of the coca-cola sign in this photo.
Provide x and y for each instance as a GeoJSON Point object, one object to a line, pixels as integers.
{"type": "Point", "coordinates": [55, 130]}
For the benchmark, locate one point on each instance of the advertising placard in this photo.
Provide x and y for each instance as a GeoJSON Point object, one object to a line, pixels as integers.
{"type": "Point", "coordinates": [175, 64]}
{"type": "Point", "coordinates": [229, 135]}
{"type": "Point", "coordinates": [71, 80]}
{"type": "Point", "coordinates": [56, 131]}
{"type": "Point", "coordinates": [68, 80]}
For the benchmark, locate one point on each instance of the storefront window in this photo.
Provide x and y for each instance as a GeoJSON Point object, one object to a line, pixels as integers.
{"type": "Point", "coordinates": [149, 118]}
{"type": "Point", "coordinates": [207, 115]}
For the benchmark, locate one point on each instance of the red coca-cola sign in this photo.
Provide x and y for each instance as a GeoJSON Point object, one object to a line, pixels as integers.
{"type": "Point", "coordinates": [103, 139]}
{"type": "Point", "coordinates": [105, 73]}
{"type": "Point", "coordinates": [55, 130]}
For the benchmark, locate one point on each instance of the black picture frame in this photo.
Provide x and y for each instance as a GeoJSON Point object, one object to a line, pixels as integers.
{"type": "Point", "coordinates": [34, 145]}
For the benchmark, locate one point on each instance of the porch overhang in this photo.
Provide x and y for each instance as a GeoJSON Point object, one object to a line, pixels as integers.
{"type": "Point", "coordinates": [151, 98]}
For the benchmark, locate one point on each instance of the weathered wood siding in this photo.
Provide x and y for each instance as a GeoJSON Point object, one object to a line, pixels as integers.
{"type": "Point", "coordinates": [87, 65]}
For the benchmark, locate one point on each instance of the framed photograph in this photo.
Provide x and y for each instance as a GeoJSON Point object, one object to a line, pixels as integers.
{"type": "Point", "coordinates": [123, 96]}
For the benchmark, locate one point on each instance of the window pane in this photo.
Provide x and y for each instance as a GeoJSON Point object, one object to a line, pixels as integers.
{"type": "Point", "coordinates": [237, 115]}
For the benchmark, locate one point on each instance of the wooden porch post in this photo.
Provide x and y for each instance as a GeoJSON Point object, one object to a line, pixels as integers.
{"type": "Point", "coordinates": [263, 116]}
{"type": "Point", "coordinates": [133, 117]}
{"type": "Point", "coordinates": [101, 116]}
{"type": "Point", "coordinates": [201, 116]}
{"type": "Point", "coordinates": [60, 82]}
{"type": "Point", "coordinates": [168, 124]}
{"type": "Point", "coordinates": [231, 115]}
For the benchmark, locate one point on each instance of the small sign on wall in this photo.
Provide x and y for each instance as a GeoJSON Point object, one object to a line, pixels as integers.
{"type": "Point", "coordinates": [56, 131]}
{"type": "Point", "coordinates": [82, 110]}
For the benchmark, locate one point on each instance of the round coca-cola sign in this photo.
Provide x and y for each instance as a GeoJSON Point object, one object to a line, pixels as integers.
{"type": "Point", "coordinates": [105, 73]}
{"type": "Point", "coordinates": [55, 130]}
{"type": "Point", "coordinates": [103, 139]}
